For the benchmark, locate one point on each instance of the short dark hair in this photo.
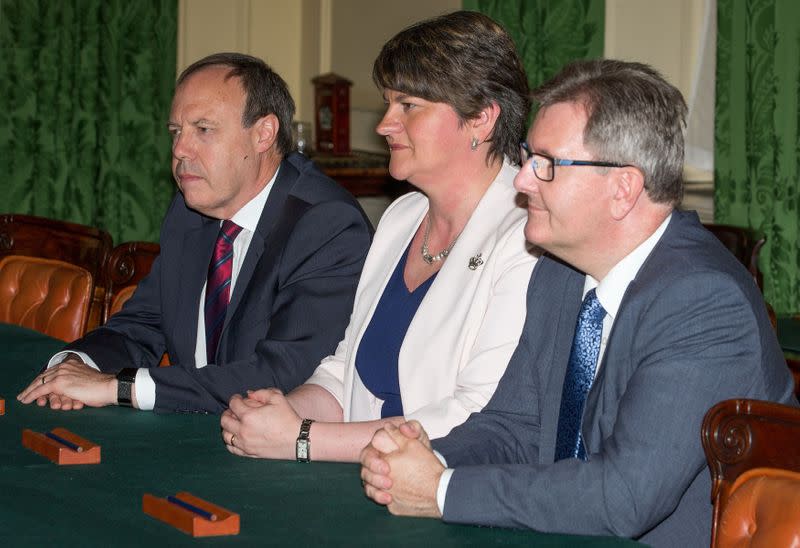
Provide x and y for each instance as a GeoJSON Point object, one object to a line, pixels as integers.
{"type": "Point", "coordinates": [266, 92]}
{"type": "Point", "coordinates": [634, 117]}
{"type": "Point", "coordinates": [464, 59]}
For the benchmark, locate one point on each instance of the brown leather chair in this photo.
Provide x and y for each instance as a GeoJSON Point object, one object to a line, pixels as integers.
{"type": "Point", "coordinates": [129, 263]}
{"type": "Point", "coordinates": [49, 296]}
{"type": "Point", "coordinates": [753, 452]}
{"type": "Point", "coordinates": [744, 243]}
{"type": "Point", "coordinates": [84, 246]}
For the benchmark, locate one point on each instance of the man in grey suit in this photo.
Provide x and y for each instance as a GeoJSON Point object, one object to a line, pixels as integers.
{"type": "Point", "coordinates": [638, 322]}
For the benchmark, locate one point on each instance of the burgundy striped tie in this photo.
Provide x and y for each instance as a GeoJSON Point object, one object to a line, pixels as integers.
{"type": "Point", "coordinates": [218, 287]}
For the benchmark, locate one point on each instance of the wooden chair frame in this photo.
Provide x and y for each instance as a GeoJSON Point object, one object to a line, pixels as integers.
{"type": "Point", "coordinates": [739, 435]}
{"type": "Point", "coordinates": [744, 243]}
{"type": "Point", "coordinates": [129, 263]}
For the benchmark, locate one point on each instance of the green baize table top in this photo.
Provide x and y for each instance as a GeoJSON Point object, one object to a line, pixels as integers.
{"type": "Point", "coordinates": [279, 503]}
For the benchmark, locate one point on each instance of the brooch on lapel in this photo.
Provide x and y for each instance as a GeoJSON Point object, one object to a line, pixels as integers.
{"type": "Point", "coordinates": [475, 262]}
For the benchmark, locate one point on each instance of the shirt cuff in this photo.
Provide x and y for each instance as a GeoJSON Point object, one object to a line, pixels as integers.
{"type": "Point", "coordinates": [444, 481]}
{"type": "Point", "coordinates": [145, 386]}
{"type": "Point", "coordinates": [441, 491]}
{"type": "Point", "coordinates": [145, 390]}
{"type": "Point", "coordinates": [58, 358]}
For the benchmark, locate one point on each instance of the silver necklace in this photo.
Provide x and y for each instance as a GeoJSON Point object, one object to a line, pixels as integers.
{"type": "Point", "coordinates": [426, 256]}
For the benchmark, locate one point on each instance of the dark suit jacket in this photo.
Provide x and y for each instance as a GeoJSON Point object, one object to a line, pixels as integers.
{"type": "Point", "coordinates": [290, 305]}
{"type": "Point", "coordinates": [692, 329]}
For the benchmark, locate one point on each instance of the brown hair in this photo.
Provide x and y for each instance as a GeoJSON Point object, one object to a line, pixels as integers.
{"type": "Point", "coordinates": [464, 59]}
{"type": "Point", "coordinates": [266, 92]}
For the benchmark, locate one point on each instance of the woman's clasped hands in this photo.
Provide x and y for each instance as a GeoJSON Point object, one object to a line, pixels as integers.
{"type": "Point", "coordinates": [263, 424]}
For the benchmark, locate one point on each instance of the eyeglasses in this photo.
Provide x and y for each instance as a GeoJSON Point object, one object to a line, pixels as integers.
{"type": "Point", "coordinates": [544, 166]}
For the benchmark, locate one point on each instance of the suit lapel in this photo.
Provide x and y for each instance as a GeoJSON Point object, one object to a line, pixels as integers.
{"type": "Point", "coordinates": [565, 285]}
{"type": "Point", "coordinates": [287, 175]}
{"type": "Point", "coordinates": [592, 411]}
{"type": "Point", "coordinates": [436, 308]}
{"type": "Point", "coordinates": [388, 248]}
{"type": "Point", "coordinates": [197, 249]}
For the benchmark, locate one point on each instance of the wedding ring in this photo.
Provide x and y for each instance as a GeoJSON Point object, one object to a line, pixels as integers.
{"type": "Point", "coordinates": [42, 379]}
{"type": "Point", "coordinates": [233, 437]}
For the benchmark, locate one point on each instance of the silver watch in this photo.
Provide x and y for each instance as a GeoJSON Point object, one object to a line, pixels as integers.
{"type": "Point", "coordinates": [302, 446]}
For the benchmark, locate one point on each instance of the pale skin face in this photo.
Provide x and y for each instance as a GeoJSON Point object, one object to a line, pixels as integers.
{"type": "Point", "coordinates": [426, 139]}
{"type": "Point", "coordinates": [430, 147]}
{"type": "Point", "coordinates": [215, 160]}
{"type": "Point", "coordinates": [568, 215]}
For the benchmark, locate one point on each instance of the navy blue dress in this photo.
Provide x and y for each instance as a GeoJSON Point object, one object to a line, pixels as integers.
{"type": "Point", "coordinates": [376, 360]}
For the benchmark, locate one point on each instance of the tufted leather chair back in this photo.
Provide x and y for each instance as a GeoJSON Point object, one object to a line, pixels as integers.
{"type": "Point", "coordinates": [49, 296]}
{"type": "Point", "coordinates": [763, 509]}
{"type": "Point", "coordinates": [753, 453]}
{"type": "Point", "coordinates": [84, 246]}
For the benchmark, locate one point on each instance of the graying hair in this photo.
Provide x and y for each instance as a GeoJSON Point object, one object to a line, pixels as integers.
{"type": "Point", "coordinates": [634, 117]}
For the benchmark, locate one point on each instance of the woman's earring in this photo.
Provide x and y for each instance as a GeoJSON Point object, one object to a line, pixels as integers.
{"type": "Point", "coordinates": [474, 144]}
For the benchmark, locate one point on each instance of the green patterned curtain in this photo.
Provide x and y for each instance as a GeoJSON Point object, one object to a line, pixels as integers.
{"type": "Point", "coordinates": [85, 91]}
{"type": "Point", "coordinates": [757, 144]}
{"type": "Point", "coordinates": [548, 33]}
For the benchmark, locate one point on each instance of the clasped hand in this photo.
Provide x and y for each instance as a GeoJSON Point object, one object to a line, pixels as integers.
{"type": "Point", "coordinates": [71, 385]}
{"type": "Point", "coordinates": [400, 470]}
{"type": "Point", "coordinates": [263, 424]}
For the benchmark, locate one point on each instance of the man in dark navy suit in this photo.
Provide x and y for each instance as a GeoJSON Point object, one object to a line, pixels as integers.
{"type": "Point", "coordinates": [260, 258]}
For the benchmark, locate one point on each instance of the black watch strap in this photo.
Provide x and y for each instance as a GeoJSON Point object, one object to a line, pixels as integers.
{"type": "Point", "coordinates": [125, 379]}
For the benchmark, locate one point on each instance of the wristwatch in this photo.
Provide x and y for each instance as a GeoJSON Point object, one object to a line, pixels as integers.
{"type": "Point", "coordinates": [302, 447]}
{"type": "Point", "coordinates": [125, 379]}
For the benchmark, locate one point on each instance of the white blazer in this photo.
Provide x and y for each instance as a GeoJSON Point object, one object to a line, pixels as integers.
{"type": "Point", "coordinates": [466, 328]}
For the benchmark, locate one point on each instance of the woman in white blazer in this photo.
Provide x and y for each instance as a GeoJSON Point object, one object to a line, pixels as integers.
{"type": "Point", "coordinates": [441, 300]}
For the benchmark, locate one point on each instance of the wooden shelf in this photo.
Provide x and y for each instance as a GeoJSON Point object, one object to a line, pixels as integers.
{"type": "Point", "coordinates": [362, 173]}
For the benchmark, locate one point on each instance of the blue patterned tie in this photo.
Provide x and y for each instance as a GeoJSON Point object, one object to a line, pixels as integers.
{"type": "Point", "coordinates": [218, 286]}
{"type": "Point", "coordinates": [579, 378]}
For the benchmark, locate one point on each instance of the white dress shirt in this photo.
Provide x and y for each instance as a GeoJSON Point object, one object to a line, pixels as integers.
{"type": "Point", "coordinates": [610, 291]}
{"type": "Point", "coordinates": [247, 218]}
